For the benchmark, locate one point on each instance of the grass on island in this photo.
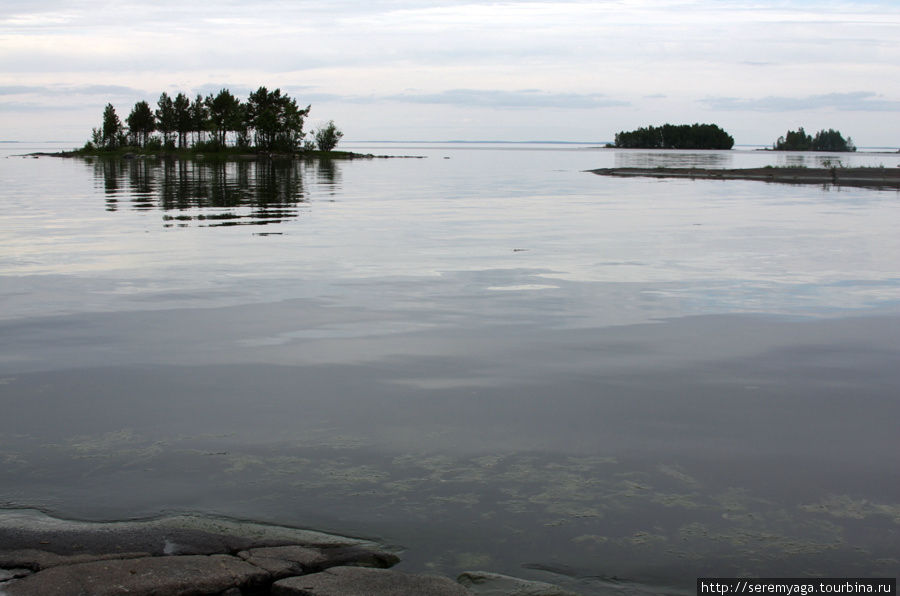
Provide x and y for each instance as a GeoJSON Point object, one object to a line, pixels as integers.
{"type": "Point", "coordinates": [195, 152]}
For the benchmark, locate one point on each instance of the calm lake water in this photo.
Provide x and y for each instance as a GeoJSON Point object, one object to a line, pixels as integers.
{"type": "Point", "coordinates": [486, 355]}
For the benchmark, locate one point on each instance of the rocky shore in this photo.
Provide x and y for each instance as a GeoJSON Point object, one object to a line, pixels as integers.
{"type": "Point", "coordinates": [860, 177]}
{"type": "Point", "coordinates": [200, 556]}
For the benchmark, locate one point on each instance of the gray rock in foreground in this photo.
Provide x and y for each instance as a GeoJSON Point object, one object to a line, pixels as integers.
{"type": "Point", "coordinates": [34, 559]}
{"type": "Point", "coordinates": [175, 535]}
{"type": "Point", "coordinates": [285, 561]}
{"type": "Point", "coordinates": [356, 581]}
{"type": "Point", "coordinates": [288, 561]}
{"type": "Point", "coordinates": [201, 556]}
{"type": "Point", "coordinates": [175, 556]}
{"type": "Point", "coordinates": [158, 576]}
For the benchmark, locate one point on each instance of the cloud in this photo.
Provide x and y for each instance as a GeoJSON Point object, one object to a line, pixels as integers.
{"type": "Point", "coordinates": [480, 98]}
{"type": "Point", "coordinates": [430, 60]}
{"type": "Point", "coordinates": [859, 101]}
{"type": "Point", "coordinates": [105, 90]}
{"type": "Point", "coordinates": [525, 98]}
{"type": "Point", "coordinates": [57, 90]}
{"type": "Point", "coordinates": [27, 107]}
{"type": "Point", "coordinates": [20, 90]}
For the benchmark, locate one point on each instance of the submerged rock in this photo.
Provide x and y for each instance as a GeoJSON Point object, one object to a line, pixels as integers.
{"type": "Point", "coordinates": [355, 581]}
{"type": "Point", "coordinates": [482, 583]}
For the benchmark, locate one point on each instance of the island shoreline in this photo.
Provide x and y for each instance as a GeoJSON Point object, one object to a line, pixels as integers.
{"type": "Point", "coordinates": [879, 178]}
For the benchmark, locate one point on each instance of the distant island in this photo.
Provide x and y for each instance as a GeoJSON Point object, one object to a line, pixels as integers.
{"type": "Point", "coordinates": [670, 136]}
{"type": "Point", "coordinates": [269, 121]}
{"type": "Point", "coordinates": [825, 140]}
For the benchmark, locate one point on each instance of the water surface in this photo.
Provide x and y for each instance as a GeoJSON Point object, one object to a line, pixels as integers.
{"type": "Point", "coordinates": [487, 356]}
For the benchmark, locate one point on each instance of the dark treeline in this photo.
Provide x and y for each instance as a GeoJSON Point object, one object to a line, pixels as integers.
{"type": "Point", "coordinates": [267, 121]}
{"type": "Point", "coordinates": [825, 140]}
{"type": "Point", "coordinates": [670, 136]}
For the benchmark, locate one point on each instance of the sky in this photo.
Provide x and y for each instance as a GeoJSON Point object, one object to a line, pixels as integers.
{"type": "Point", "coordinates": [440, 70]}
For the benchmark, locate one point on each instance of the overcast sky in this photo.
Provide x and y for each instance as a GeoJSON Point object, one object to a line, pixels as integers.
{"type": "Point", "coordinates": [437, 70]}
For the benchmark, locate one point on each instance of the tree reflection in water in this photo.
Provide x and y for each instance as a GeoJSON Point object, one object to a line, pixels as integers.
{"type": "Point", "coordinates": [208, 193]}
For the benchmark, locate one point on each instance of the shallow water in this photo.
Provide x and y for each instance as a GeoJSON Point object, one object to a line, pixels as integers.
{"type": "Point", "coordinates": [487, 356]}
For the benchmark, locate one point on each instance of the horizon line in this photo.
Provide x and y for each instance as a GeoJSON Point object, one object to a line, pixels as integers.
{"type": "Point", "coordinates": [603, 144]}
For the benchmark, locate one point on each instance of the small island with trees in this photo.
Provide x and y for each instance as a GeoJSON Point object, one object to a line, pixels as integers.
{"type": "Point", "coordinates": [671, 136]}
{"type": "Point", "coordinates": [268, 122]}
{"type": "Point", "coordinates": [825, 140]}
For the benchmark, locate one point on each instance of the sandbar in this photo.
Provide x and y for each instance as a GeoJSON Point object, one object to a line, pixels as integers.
{"type": "Point", "coordinates": [860, 177]}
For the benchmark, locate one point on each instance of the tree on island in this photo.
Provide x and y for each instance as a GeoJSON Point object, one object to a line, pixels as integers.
{"type": "Point", "coordinates": [825, 140]}
{"type": "Point", "coordinates": [182, 107]}
{"type": "Point", "coordinates": [272, 119]}
{"type": "Point", "coordinates": [199, 117]}
{"type": "Point", "coordinates": [141, 123]}
{"type": "Point", "coordinates": [276, 120]}
{"type": "Point", "coordinates": [225, 115]}
{"type": "Point", "coordinates": [327, 136]}
{"type": "Point", "coordinates": [794, 141]}
{"type": "Point", "coordinates": [110, 134]}
{"type": "Point", "coordinates": [165, 117]}
{"type": "Point", "coordinates": [670, 136]}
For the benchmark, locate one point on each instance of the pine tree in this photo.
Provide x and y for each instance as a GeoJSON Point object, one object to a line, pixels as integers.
{"type": "Point", "coordinates": [112, 127]}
